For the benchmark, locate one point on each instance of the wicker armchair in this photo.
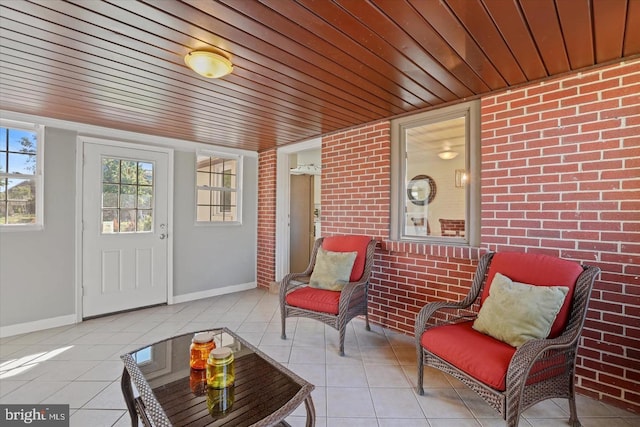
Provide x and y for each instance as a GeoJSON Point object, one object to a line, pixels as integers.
{"type": "Point", "coordinates": [537, 370]}
{"type": "Point", "coordinates": [334, 308]}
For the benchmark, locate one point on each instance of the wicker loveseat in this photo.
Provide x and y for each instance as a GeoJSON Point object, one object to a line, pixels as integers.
{"type": "Point", "coordinates": [509, 378]}
{"type": "Point", "coordinates": [334, 308]}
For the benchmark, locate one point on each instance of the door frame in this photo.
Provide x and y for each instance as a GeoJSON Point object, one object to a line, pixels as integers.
{"type": "Point", "coordinates": [80, 141]}
{"type": "Point", "coordinates": [283, 202]}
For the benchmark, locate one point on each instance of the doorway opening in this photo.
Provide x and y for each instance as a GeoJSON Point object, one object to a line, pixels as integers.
{"type": "Point", "coordinates": [298, 210]}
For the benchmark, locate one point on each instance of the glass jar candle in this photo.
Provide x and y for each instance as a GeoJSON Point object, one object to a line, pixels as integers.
{"type": "Point", "coordinates": [220, 370]}
{"type": "Point", "coordinates": [201, 345]}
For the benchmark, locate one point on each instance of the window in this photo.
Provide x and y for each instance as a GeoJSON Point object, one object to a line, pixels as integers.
{"type": "Point", "coordinates": [435, 176]}
{"type": "Point", "coordinates": [217, 182]}
{"type": "Point", "coordinates": [127, 196]}
{"type": "Point", "coordinates": [21, 182]}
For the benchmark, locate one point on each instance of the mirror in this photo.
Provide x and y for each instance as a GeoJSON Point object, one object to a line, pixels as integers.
{"type": "Point", "coordinates": [421, 190]}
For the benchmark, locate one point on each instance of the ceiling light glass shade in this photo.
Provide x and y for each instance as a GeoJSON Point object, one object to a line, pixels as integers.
{"type": "Point", "coordinates": [448, 155]}
{"type": "Point", "coordinates": [208, 64]}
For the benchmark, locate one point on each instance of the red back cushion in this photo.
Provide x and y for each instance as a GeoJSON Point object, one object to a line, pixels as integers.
{"type": "Point", "coordinates": [350, 243]}
{"type": "Point", "coordinates": [540, 270]}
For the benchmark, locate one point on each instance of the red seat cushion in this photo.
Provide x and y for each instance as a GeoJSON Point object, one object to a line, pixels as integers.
{"type": "Point", "coordinates": [315, 299]}
{"type": "Point", "coordinates": [540, 270]}
{"type": "Point", "coordinates": [350, 243]}
{"type": "Point", "coordinates": [479, 355]}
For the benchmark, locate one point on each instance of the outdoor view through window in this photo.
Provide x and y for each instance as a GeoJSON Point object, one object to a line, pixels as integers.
{"type": "Point", "coordinates": [127, 196]}
{"type": "Point", "coordinates": [18, 176]}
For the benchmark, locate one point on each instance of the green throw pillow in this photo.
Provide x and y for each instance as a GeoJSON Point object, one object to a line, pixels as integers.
{"type": "Point", "coordinates": [517, 312]}
{"type": "Point", "coordinates": [332, 269]}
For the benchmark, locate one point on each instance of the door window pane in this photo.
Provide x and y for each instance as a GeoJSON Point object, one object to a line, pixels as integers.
{"type": "Point", "coordinates": [127, 196]}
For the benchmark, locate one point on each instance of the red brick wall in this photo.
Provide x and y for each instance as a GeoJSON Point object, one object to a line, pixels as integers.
{"type": "Point", "coordinates": [266, 268]}
{"type": "Point", "coordinates": [560, 175]}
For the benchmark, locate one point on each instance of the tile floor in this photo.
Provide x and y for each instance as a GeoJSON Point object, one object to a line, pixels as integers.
{"type": "Point", "coordinates": [373, 385]}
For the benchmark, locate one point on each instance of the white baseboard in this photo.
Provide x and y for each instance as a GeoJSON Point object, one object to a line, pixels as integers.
{"type": "Point", "coordinates": [213, 292]}
{"type": "Point", "coordinates": [37, 325]}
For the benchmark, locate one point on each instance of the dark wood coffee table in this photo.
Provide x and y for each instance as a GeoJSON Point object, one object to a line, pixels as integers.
{"type": "Point", "coordinates": [171, 394]}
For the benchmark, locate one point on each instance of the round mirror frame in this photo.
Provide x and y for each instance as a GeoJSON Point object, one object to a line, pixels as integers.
{"type": "Point", "coordinates": [412, 186]}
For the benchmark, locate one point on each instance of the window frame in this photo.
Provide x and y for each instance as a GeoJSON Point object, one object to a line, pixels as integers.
{"type": "Point", "coordinates": [471, 110]}
{"type": "Point", "coordinates": [238, 188]}
{"type": "Point", "coordinates": [38, 176]}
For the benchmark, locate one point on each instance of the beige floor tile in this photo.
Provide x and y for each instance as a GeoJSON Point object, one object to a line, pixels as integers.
{"type": "Point", "coordinates": [545, 409]}
{"type": "Point", "coordinates": [461, 422]}
{"type": "Point", "coordinates": [76, 394]}
{"type": "Point", "coordinates": [278, 353]}
{"type": "Point", "coordinates": [349, 402]}
{"type": "Point", "coordinates": [352, 422]}
{"type": "Point", "coordinates": [33, 392]}
{"type": "Point", "coordinates": [477, 405]}
{"type": "Point", "coordinates": [499, 422]}
{"type": "Point", "coordinates": [308, 355]}
{"type": "Point", "coordinates": [109, 398]}
{"type": "Point", "coordinates": [373, 385]}
{"type": "Point", "coordinates": [404, 422]}
{"type": "Point", "coordinates": [443, 403]}
{"type": "Point", "coordinates": [309, 338]}
{"type": "Point", "coordinates": [386, 376]}
{"type": "Point", "coordinates": [395, 403]}
{"type": "Point", "coordinates": [383, 354]}
{"type": "Point", "coordinates": [346, 376]}
{"type": "Point", "coordinates": [314, 373]}
{"type": "Point", "coordinates": [300, 421]}
{"type": "Point", "coordinates": [108, 370]}
{"type": "Point", "coordinates": [7, 386]}
{"type": "Point", "coordinates": [95, 418]}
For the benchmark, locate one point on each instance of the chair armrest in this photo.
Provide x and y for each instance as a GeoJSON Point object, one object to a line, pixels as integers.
{"type": "Point", "coordinates": [534, 351]}
{"type": "Point", "coordinates": [290, 283]}
{"type": "Point", "coordinates": [351, 289]}
{"type": "Point", "coordinates": [427, 311]}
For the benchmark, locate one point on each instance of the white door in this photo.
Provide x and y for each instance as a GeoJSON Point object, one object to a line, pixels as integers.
{"type": "Point", "coordinates": [124, 239]}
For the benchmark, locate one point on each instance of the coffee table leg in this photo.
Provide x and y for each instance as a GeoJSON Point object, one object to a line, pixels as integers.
{"type": "Point", "coordinates": [311, 412]}
{"type": "Point", "coordinates": [127, 392]}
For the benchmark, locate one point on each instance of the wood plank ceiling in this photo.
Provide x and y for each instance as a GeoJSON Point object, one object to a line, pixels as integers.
{"type": "Point", "coordinates": [302, 68]}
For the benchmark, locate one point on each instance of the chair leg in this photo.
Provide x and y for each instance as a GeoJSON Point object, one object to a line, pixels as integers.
{"type": "Point", "coordinates": [420, 388]}
{"type": "Point", "coordinates": [283, 318]}
{"type": "Point", "coordinates": [342, 330]}
{"type": "Point", "coordinates": [573, 412]}
{"type": "Point", "coordinates": [366, 319]}
{"type": "Point", "coordinates": [513, 411]}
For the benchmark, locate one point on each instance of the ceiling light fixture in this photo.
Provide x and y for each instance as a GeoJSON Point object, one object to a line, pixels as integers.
{"type": "Point", "coordinates": [208, 64]}
{"type": "Point", "coordinates": [448, 154]}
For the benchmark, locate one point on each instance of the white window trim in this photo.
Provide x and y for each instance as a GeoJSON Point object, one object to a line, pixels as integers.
{"type": "Point", "coordinates": [38, 177]}
{"type": "Point", "coordinates": [473, 165]}
{"type": "Point", "coordinates": [239, 161]}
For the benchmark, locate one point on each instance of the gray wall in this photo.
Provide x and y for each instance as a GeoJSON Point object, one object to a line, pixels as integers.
{"type": "Point", "coordinates": [212, 256]}
{"type": "Point", "coordinates": [37, 267]}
